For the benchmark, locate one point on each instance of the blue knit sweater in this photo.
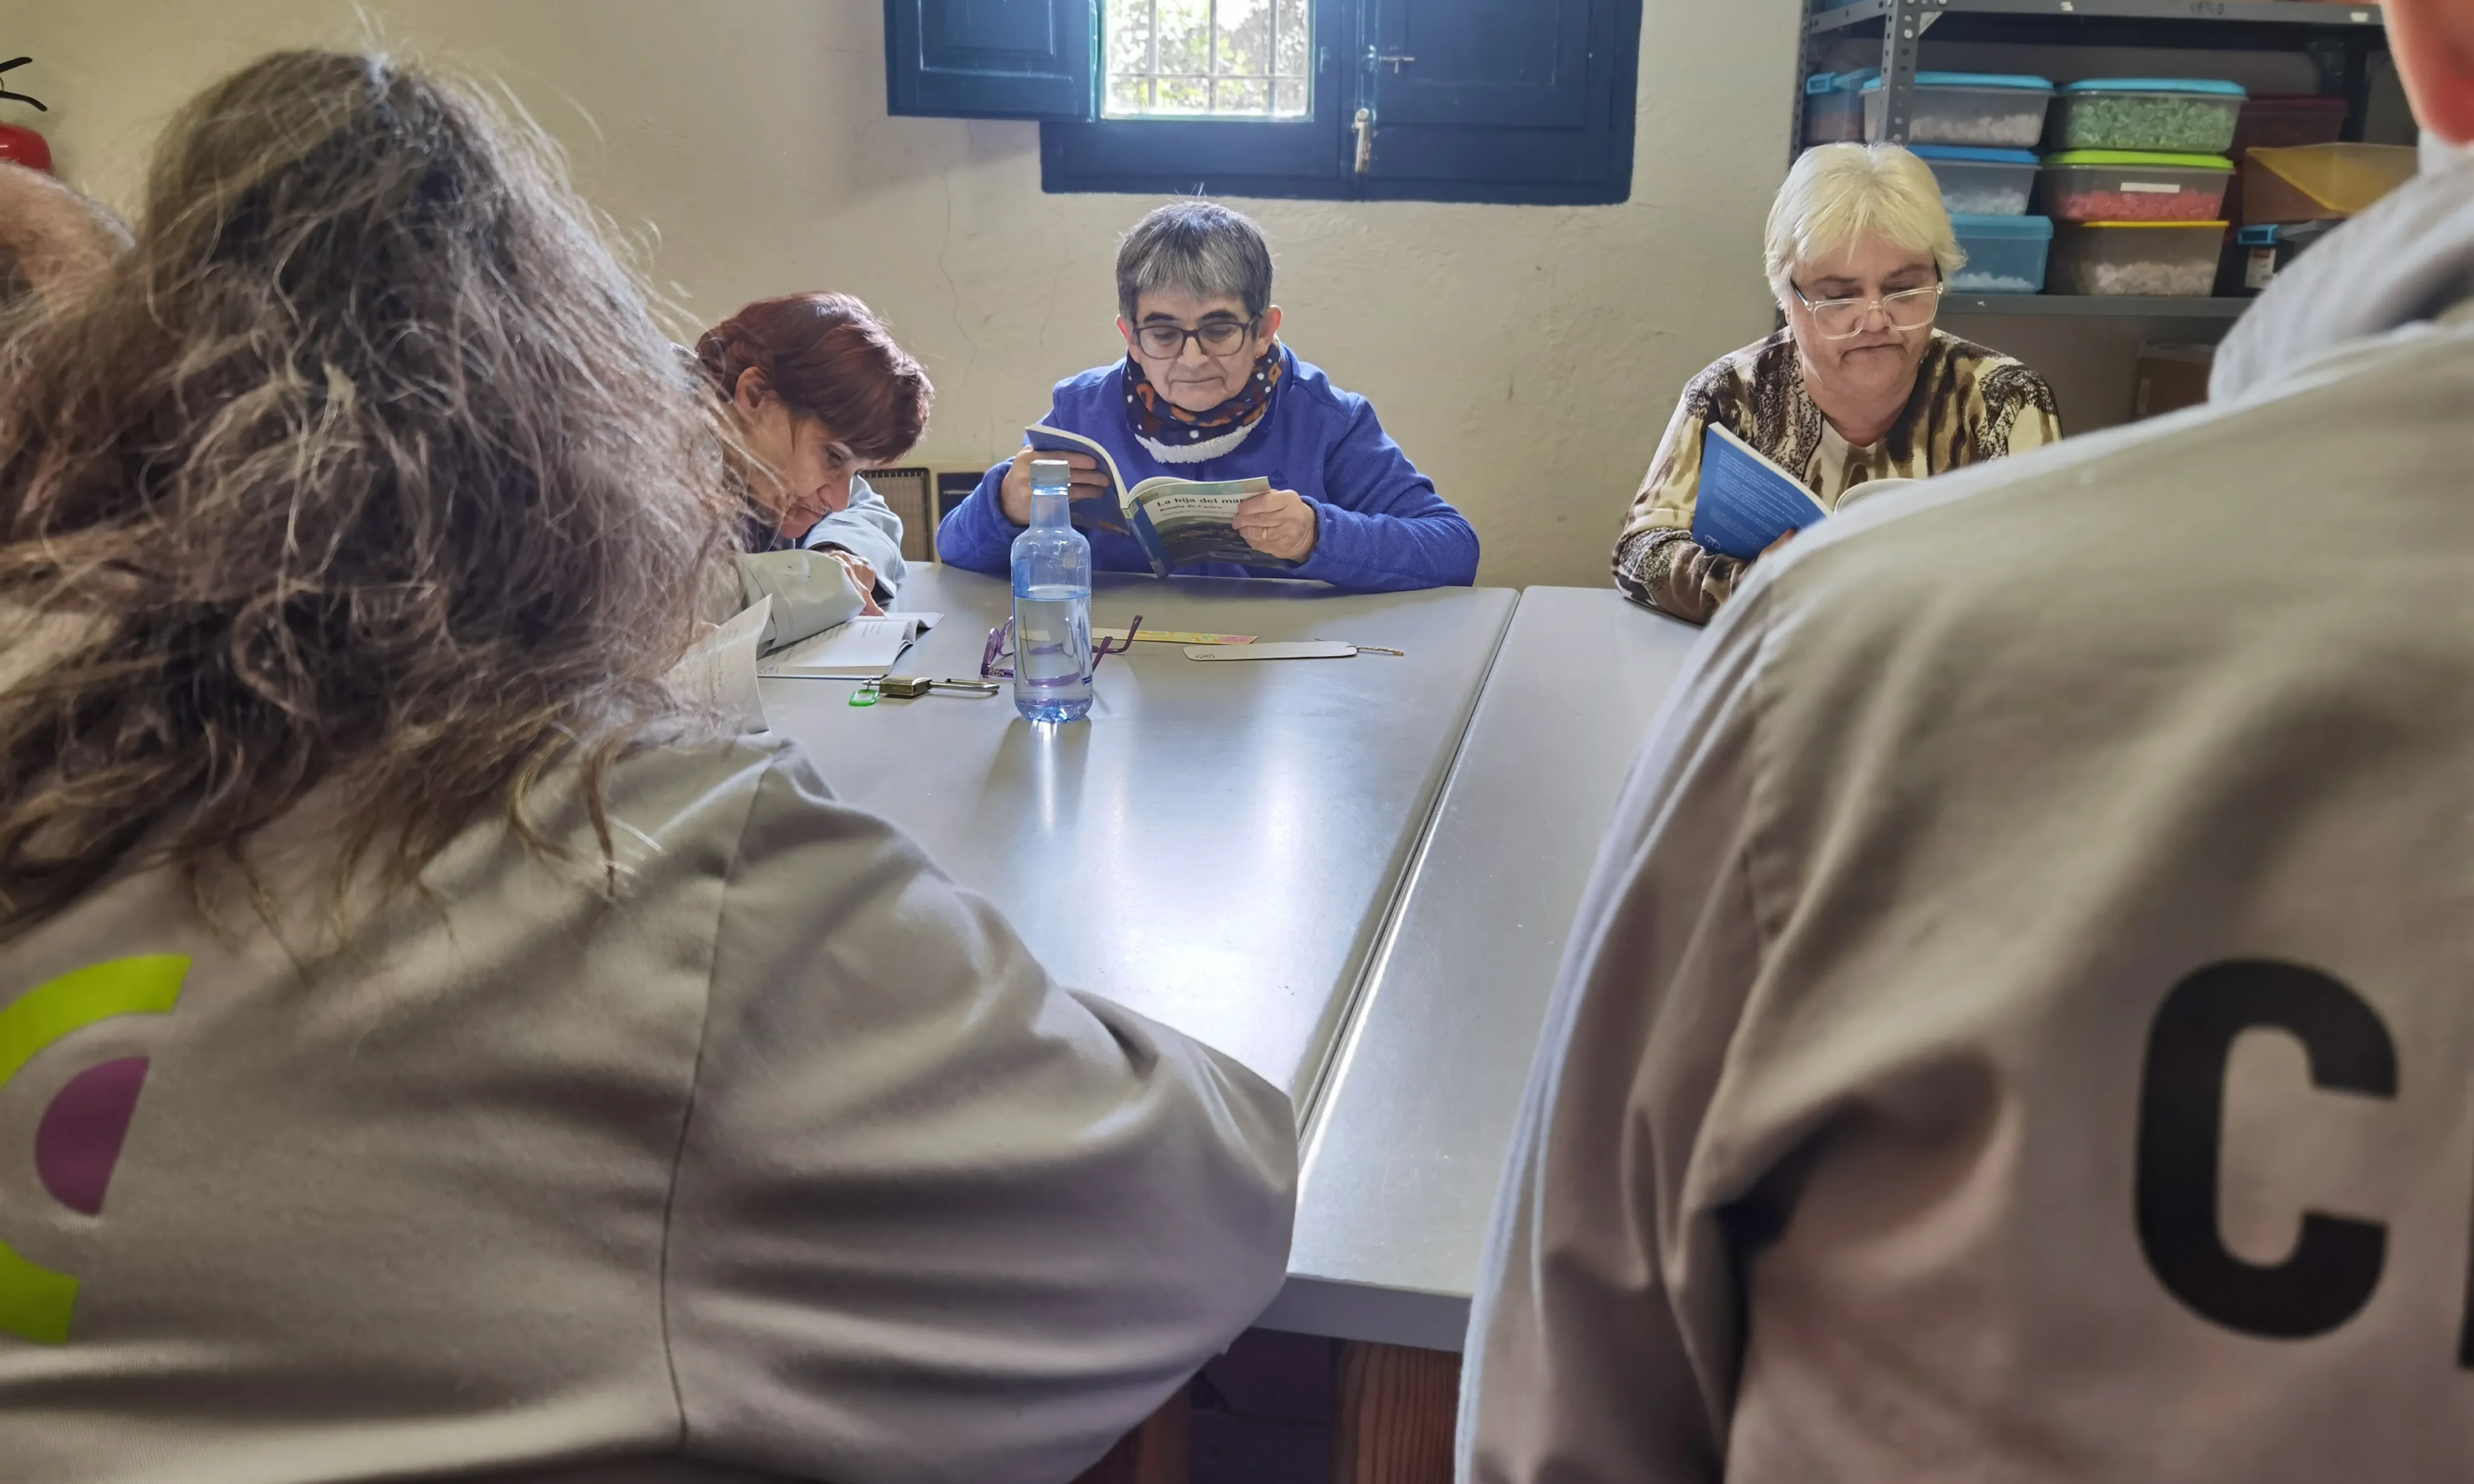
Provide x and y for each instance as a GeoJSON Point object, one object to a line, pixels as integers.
{"type": "Point", "coordinates": [1380, 525]}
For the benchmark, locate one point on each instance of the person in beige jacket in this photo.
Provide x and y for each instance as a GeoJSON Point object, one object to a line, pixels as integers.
{"type": "Point", "coordinates": [427, 1048]}
{"type": "Point", "coordinates": [2022, 1027]}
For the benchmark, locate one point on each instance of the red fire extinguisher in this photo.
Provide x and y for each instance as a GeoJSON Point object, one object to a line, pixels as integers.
{"type": "Point", "coordinates": [19, 144]}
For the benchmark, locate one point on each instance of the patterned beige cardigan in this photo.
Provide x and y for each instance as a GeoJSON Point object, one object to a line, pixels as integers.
{"type": "Point", "coordinates": [1970, 404]}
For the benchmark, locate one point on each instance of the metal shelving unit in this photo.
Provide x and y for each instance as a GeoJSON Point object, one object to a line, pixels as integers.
{"type": "Point", "coordinates": [2340, 39]}
{"type": "Point", "coordinates": [2271, 13]}
{"type": "Point", "coordinates": [2123, 306]}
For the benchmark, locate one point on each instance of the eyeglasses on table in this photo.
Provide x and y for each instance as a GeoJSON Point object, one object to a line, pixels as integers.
{"type": "Point", "coordinates": [1001, 637]}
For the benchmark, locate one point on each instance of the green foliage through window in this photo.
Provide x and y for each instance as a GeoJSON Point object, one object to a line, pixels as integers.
{"type": "Point", "coordinates": [1207, 58]}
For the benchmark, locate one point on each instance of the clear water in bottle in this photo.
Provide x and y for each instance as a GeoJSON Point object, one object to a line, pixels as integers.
{"type": "Point", "coordinates": [1051, 605]}
{"type": "Point", "coordinates": [1052, 653]}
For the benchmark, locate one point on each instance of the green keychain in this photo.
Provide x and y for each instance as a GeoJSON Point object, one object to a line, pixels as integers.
{"type": "Point", "coordinates": [865, 695]}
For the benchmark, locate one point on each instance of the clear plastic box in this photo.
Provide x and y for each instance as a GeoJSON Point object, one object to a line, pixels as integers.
{"type": "Point", "coordinates": [2124, 186]}
{"type": "Point", "coordinates": [1984, 110]}
{"type": "Point", "coordinates": [2167, 116]}
{"type": "Point", "coordinates": [1981, 183]}
{"type": "Point", "coordinates": [2163, 259]}
{"type": "Point", "coordinates": [1833, 110]}
{"type": "Point", "coordinates": [2006, 255]}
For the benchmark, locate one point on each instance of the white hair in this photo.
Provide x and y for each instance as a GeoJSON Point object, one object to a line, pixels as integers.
{"type": "Point", "coordinates": [1840, 194]}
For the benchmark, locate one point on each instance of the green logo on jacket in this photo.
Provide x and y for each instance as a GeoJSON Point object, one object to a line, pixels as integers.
{"type": "Point", "coordinates": [77, 1143]}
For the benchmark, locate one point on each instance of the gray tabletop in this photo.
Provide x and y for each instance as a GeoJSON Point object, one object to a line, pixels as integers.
{"type": "Point", "coordinates": [1219, 847]}
{"type": "Point", "coordinates": [1409, 1138]}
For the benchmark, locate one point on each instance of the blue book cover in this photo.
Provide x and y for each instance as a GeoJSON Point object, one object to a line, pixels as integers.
{"type": "Point", "coordinates": [1746, 501]}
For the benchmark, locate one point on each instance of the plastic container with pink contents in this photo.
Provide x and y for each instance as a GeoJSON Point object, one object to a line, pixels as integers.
{"type": "Point", "coordinates": [2131, 185]}
{"type": "Point", "coordinates": [2285, 120]}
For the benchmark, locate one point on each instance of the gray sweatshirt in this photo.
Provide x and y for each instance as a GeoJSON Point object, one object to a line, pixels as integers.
{"type": "Point", "coordinates": [869, 529]}
{"type": "Point", "coordinates": [789, 1162]}
{"type": "Point", "coordinates": [2019, 1028]}
{"type": "Point", "coordinates": [811, 592]}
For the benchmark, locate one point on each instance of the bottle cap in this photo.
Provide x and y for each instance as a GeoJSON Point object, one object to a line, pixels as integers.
{"type": "Point", "coordinates": [1050, 471]}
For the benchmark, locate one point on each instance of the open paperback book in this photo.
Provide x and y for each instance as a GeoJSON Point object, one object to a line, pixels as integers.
{"type": "Point", "coordinates": [1179, 521]}
{"type": "Point", "coordinates": [865, 648]}
{"type": "Point", "coordinates": [1747, 502]}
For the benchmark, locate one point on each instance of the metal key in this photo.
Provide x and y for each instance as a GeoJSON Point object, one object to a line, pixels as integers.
{"type": "Point", "coordinates": [911, 687]}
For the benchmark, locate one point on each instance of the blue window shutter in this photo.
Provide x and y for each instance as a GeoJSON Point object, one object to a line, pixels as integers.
{"type": "Point", "coordinates": [1507, 100]}
{"type": "Point", "coordinates": [1503, 100]}
{"type": "Point", "coordinates": [1514, 64]}
{"type": "Point", "coordinates": [989, 58]}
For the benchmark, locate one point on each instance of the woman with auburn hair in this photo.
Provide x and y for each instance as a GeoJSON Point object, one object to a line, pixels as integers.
{"type": "Point", "coordinates": [439, 1048]}
{"type": "Point", "coordinates": [816, 391]}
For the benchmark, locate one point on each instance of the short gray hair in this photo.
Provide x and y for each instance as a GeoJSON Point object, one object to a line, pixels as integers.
{"type": "Point", "coordinates": [1839, 194]}
{"type": "Point", "coordinates": [1197, 246]}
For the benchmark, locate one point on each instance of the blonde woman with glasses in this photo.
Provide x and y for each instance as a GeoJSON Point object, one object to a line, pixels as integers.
{"type": "Point", "coordinates": [1859, 386]}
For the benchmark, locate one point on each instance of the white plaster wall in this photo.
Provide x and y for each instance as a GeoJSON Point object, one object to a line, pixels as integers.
{"type": "Point", "coordinates": [1527, 357]}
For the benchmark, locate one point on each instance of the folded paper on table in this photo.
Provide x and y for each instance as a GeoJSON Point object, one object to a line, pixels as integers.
{"type": "Point", "coordinates": [1284, 650]}
{"type": "Point", "coordinates": [863, 648]}
{"type": "Point", "coordinates": [1173, 636]}
{"type": "Point", "coordinates": [719, 672]}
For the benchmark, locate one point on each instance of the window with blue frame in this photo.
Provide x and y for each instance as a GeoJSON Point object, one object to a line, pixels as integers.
{"type": "Point", "coordinates": [1523, 101]}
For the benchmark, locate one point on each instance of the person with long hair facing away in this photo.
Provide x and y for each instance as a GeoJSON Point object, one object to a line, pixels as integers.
{"type": "Point", "coordinates": [427, 1046]}
{"type": "Point", "coordinates": [816, 391]}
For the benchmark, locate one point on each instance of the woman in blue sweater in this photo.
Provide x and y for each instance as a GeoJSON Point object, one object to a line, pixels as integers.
{"type": "Point", "coordinates": [1207, 392]}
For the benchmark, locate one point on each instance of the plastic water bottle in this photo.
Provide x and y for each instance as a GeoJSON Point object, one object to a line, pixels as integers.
{"type": "Point", "coordinates": [1051, 605]}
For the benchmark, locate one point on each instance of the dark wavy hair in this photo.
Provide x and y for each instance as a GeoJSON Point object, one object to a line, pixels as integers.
{"type": "Point", "coordinates": [829, 357]}
{"type": "Point", "coordinates": [365, 469]}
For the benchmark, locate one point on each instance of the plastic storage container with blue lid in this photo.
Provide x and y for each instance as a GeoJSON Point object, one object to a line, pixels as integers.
{"type": "Point", "coordinates": [2006, 255]}
{"type": "Point", "coordinates": [2160, 114]}
{"type": "Point", "coordinates": [2215, 88]}
{"type": "Point", "coordinates": [2017, 81]}
{"type": "Point", "coordinates": [1980, 181]}
{"type": "Point", "coordinates": [1984, 110]}
{"type": "Point", "coordinates": [1833, 110]}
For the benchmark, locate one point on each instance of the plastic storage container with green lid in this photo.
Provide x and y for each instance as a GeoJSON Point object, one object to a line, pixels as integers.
{"type": "Point", "coordinates": [2171, 115]}
{"type": "Point", "coordinates": [1988, 109]}
{"type": "Point", "coordinates": [2135, 185]}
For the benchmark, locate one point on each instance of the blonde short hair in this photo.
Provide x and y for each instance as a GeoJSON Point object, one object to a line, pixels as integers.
{"type": "Point", "coordinates": [1840, 194]}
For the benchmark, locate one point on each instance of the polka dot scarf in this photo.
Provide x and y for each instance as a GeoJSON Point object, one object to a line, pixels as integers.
{"type": "Point", "coordinates": [1178, 436]}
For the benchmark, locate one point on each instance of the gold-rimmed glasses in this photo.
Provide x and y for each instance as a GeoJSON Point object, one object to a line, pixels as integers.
{"type": "Point", "coordinates": [1844, 319]}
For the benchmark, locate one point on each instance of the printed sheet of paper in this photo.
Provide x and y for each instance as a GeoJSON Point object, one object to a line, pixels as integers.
{"type": "Point", "coordinates": [1285, 650]}
{"type": "Point", "coordinates": [721, 670]}
{"type": "Point", "coordinates": [1173, 636]}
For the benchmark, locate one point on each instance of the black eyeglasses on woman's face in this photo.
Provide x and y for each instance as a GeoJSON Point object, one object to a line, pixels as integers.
{"type": "Point", "coordinates": [1165, 342]}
